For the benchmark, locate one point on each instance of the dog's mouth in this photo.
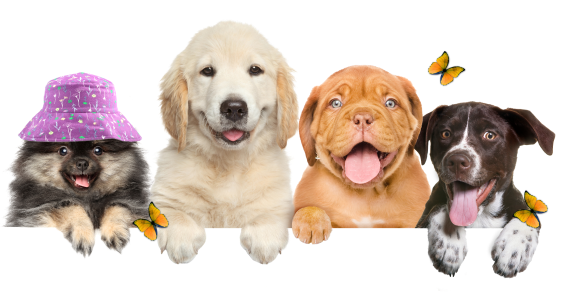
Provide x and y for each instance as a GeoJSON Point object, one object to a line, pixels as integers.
{"type": "Point", "coordinates": [233, 136]}
{"type": "Point", "coordinates": [364, 163]}
{"type": "Point", "coordinates": [465, 200]}
{"type": "Point", "coordinates": [81, 181]}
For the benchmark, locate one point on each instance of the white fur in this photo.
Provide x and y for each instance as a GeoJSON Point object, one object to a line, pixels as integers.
{"type": "Point", "coordinates": [487, 216]}
{"type": "Point", "coordinates": [367, 222]}
{"type": "Point", "coordinates": [209, 185]}
{"type": "Point", "coordinates": [464, 145]}
{"type": "Point", "coordinates": [514, 248]}
{"type": "Point", "coordinates": [447, 246]}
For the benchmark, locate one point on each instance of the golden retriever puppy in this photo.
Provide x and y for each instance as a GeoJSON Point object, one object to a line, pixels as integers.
{"type": "Point", "coordinates": [358, 130]}
{"type": "Point", "coordinates": [228, 103]}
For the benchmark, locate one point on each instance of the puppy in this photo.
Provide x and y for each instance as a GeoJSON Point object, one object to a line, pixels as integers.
{"type": "Point", "coordinates": [229, 105]}
{"type": "Point", "coordinates": [79, 187]}
{"type": "Point", "coordinates": [358, 130]}
{"type": "Point", "coordinates": [474, 150]}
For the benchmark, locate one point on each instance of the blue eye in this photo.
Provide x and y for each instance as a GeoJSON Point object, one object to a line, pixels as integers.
{"type": "Point", "coordinates": [98, 151]}
{"type": "Point", "coordinates": [63, 151]}
{"type": "Point", "coordinates": [390, 103]}
{"type": "Point", "coordinates": [335, 103]}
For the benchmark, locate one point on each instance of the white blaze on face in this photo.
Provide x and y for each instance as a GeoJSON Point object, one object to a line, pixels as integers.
{"type": "Point", "coordinates": [464, 145]}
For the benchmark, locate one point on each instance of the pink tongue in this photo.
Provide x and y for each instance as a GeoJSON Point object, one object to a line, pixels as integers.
{"type": "Point", "coordinates": [362, 163]}
{"type": "Point", "coordinates": [82, 180]}
{"type": "Point", "coordinates": [464, 206]}
{"type": "Point", "coordinates": [233, 134]}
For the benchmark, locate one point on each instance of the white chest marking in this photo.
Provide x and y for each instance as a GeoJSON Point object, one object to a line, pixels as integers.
{"type": "Point", "coordinates": [367, 221]}
{"type": "Point", "coordinates": [486, 216]}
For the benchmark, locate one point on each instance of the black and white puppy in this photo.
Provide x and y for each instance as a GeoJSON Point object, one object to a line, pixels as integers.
{"type": "Point", "coordinates": [79, 187]}
{"type": "Point", "coordinates": [474, 147]}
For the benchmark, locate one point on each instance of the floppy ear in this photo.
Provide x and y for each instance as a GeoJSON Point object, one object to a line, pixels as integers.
{"type": "Point", "coordinates": [529, 129]}
{"type": "Point", "coordinates": [416, 110]}
{"type": "Point", "coordinates": [287, 105]}
{"type": "Point", "coordinates": [428, 123]}
{"type": "Point", "coordinates": [174, 103]}
{"type": "Point", "coordinates": [305, 121]}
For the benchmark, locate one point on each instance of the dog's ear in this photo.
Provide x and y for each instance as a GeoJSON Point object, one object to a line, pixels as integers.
{"type": "Point", "coordinates": [287, 105]}
{"type": "Point", "coordinates": [174, 103]}
{"type": "Point", "coordinates": [529, 129]}
{"type": "Point", "coordinates": [305, 122]}
{"type": "Point", "coordinates": [416, 108]}
{"type": "Point", "coordinates": [428, 122]}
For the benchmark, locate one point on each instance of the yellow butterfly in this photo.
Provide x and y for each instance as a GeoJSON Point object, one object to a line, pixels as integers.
{"type": "Point", "coordinates": [440, 66]}
{"type": "Point", "coordinates": [149, 227]}
{"type": "Point", "coordinates": [530, 217]}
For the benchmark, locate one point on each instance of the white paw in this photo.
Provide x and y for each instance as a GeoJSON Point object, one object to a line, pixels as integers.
{"type": "Point", "coordinates": [181, 241]}
{"type": "Point", "coordinates": [263, 242]}
{"type": "Point", "coordinates": [514, 248]}
{"type": "Point", "coordinates": [447, 245]}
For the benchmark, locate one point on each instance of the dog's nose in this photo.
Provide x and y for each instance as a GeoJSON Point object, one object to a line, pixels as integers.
{"type": "Point", "coordinates": [82, 165]}
{"type": "Point", "coordinates": [363, 119]}
{"type": "Point", "coordinates": [458, 162]}
{"type": "Point", "coordinates": [234, 110]}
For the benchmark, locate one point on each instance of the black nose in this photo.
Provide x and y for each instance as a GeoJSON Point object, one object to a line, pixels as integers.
{"type": "Point", "coordinates": [458, 162]}
{"type": "Point", "coordinates": [234, 110]}
{"type": "Point", "coordinates": [82, 165]}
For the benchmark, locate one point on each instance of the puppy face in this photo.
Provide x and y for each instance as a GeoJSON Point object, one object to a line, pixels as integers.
{"type": "Point", "coordinates": [474, 150]}
{"type": "Point", "coordinates": [236, 85]}
{"type": "Point", "coordinates": [361, 122]}
{"type": "Point", "coordinates": [88, 167]}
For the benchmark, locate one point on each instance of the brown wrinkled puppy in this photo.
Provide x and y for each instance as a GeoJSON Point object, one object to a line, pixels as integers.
{"type": "Point", "coordinates": [358, 130]}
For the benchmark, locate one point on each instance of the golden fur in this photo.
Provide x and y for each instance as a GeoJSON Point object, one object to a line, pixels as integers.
{"type": "Point", "coordinates": [199, 182]}
{"type": "Point", "coordinates": [397, 198]}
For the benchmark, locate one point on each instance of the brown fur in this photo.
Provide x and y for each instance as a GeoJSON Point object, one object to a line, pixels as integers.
{"type": "Point", "coordinates": [396, 200]}
{"type": "Point", "coordinates": [76, 226]}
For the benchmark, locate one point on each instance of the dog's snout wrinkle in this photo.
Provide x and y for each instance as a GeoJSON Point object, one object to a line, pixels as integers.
{"type": "Point", "coordinates": [234, 109]}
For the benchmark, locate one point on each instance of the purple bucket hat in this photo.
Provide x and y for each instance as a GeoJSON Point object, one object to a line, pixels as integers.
{"type": "Point", "coordinates": [79, 107]}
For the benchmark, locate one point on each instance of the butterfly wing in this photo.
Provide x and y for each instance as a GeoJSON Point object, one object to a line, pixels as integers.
{"type": "Point", "coordinates": [153, 211]}
{"type": "Point", "coordinates": [533, 221]}
{"type": "Point", "coordinates": [440, 64]}
{"type": "Point", "coordinates": [150, 233]}
{"type": "Point", "coordinates": [449, 75]}
{"type": "Point", "coordinates": [161, 221]}
{"type": "Point", "coordinates": [523, 215]}
{"type": "Point", "coordinates": [530, 199]}
{"type": "Point", "coordinates": [540, 207]}
{"type": "Point", "coordinates": [142, 224]}
{"type": "Point", "coordinates": [455, 71]}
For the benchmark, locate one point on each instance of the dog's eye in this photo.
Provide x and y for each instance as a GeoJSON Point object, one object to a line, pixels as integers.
{"type": "Point", "coordinates": [63, 151]}
{"type": "Point", "coordinates": [255, 70]}
{"type": "Point", "coordinates": [390, 103]}
{"type": "Point", "coordinates": [208, 72]}
{"type": "Point", "coordinates": [98, 151]}
{"type": "Point", "coordinates": [335, 103]}
{"type": "Point", "coordinates": [445, 134]}
{"type": "Point", "coordinates": [489, 135]}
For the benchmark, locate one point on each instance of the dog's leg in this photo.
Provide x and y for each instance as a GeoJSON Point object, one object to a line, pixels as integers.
{"type": "Point", "coordinates": [114, 227]}
{"type": "Point", "coordinates": [74, 223]}
{"type": "Point", "coordinates": [447, 244]}
{"type": "Point", "coordinates": [264, 238]}
{"type": "Point", "coordinates": [514, 248]}
{"type": "Point", "coordinates": [182, 238]}
{"type": "Point", "coordinates": [311, 224]}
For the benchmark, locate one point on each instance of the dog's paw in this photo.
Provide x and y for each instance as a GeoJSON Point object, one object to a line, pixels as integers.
{"type": "Point", "coordinates": [115, 236]}
{"type": "Point", "coordinates": [181, 241]}
{"type": "Point", "coordinates": [447, 245]}
{"type": "Point", "coordinates": [514, 248]}
{"type": "Point", "coordinates": [81, 236]}
{"type": "Point", "coordinates": [263, 242]}
{"type": "Point", "coordinates": [115, 227]}
{"type": "Point", "coordinates": [311, 225]}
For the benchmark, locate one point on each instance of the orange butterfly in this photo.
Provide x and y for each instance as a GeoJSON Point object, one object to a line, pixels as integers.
{"type": "Point", "coordinates": [149, 227]}
{"type": "Point", "coordinates": [440, 66]}
{"type": "Point", "coordinates": [530, 217]}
